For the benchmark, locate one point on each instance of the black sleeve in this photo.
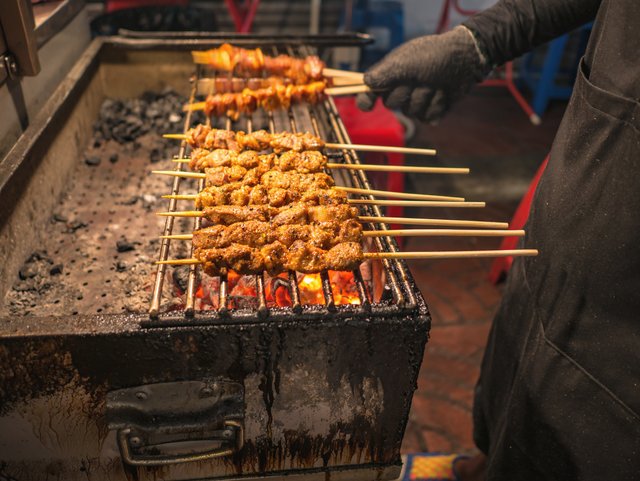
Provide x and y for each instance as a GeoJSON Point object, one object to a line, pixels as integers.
{"type": "Point", "coordinates": [513, 27]}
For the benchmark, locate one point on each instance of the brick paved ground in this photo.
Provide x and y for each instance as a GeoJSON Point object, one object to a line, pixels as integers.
{"type": "Point", "coordinates": [462, 303]}
{"type": "Point", "coordinates": [487, 132]}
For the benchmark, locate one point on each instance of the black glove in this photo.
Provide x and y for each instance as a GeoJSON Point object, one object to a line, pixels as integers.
{"type": "Point", "coordinates": [425, 76]}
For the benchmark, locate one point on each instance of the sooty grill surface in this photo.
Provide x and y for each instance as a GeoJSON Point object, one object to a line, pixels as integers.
{"type": "Point", "coordinates": [102, 238]}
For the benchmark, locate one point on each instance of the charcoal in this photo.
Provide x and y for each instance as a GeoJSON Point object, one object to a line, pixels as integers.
{"type": "Point", "coordinates": [155, 156]}
{"type": "Point", "coordinates": [93, 160]}
{"type": "Point", "coordinates": [28, 271]}
{"type": "Point", "coordinates": [125, 121]}
{"type": "Point", "coordinates": [39, 256]}
{"type": "Point", "coordinates": [75, 225]}
{"type": "Point", "coordinates": [56, 269]}
{"type": "Point", "coordinates": [121, 266]}
{"type": "Point", "coordinates": [149, 200]}
{"type": "Point", "coordinates": [113, 158]}
{"type": "Point", "coordinates": [181, 277]}
{"type": "Point", "coordinates": [152, 113]}
{"type": "Point", "coordinates": [124, 245]}
{"type": "Point", "coordinates": [130, 201]}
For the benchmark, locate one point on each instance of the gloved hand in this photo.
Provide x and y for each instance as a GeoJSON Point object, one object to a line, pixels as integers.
{"type": "Point", "coordinates": [425, 76]}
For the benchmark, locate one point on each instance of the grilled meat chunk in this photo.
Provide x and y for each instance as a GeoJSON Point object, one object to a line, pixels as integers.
{"type": "Point", "coordinates": [230, 214]}
{"type": "Point", "coordinates": [236, 193]}
{"type": "Point", "coordinates": [276, 258]}
{"type": "Point", "coordinates": [205, 137]}
{"type": "Point", "coordinates": [290, 214]}
{"type": "Point", "coordinates": [256, 234]}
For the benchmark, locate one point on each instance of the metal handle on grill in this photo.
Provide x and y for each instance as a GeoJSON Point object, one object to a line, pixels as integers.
{"type": "Point", "coordinates": [229, 447]}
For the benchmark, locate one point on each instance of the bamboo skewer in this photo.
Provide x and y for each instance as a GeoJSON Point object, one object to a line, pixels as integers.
{"type": "Point", "coordinates": [452, 254]}
{"type": "Point", "coordinates": [398, 195]}
{"type": "Point", "coordinates": [416, 203]}
{"type": "Point", "coordinates": [347, 90]}
{"type": "Point", "coordinates": [399, 168]}
{"type": "Point", "coordinates": [175, 136]}
{"type": "Point", "coordinates": [334, 72]}
{"type": "Point", "coordinates": [181, 173]}
{"type": "Point", "coordinates": [382, 168]}
{"type": "Point", "coordinates": [380, 220]}
{"type": "Point", "coordinates": [351, 190]}
{"type": "Point", "coordinates": [409, 233]}
{"type": "Point", "coordinates": [360, 147]}
{"type": "Point", "coordinates": [410, 255]}
{"type": "Point", "coordinates": [399, 203]}
{"type": "Point", "coordinates": [344, 80]}
{"type": "Point", "coordinates": [381, 148]}
{"type": "Point", "coordinates": [434, 222]}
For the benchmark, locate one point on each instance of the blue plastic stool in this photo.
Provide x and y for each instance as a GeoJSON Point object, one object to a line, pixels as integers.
{"type": "Point", "coordinates": [542, 81]}
{"type": "Point", "coordinates": [384, 21]}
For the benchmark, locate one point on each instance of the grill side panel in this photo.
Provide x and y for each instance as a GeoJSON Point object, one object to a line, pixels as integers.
{"type": "Point", "coordinates": [329, 397]}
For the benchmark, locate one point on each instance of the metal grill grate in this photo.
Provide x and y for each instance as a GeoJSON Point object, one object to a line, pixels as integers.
{"type": "Point", "coordinates": [398, 295]}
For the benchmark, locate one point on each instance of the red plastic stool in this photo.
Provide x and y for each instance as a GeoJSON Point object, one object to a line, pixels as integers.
{"type": "Point", "coordinates": [378, 127]}
{"type": "Point", "coordinates": [500, 267]}
{"type": "Point", "coordinates": [114, 5]}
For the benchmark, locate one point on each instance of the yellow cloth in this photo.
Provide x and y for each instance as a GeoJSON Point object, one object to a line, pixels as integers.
{"type": "Point", "coordinates": [432, 467]}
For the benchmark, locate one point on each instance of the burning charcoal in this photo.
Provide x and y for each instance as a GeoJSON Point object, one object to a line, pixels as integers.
{"type": "Point", "coordinates": [92, 161]}
{"type": "Point", "coordinates": [56, 269]}
{"type": "Point", "coordinates": [124, 245]}
{"type": "Point", "coordinates": [121, 266]}
{"type": "Point", "coordinates": [113, 158]}
{"type": "Point", "coordinates": [57, 217]}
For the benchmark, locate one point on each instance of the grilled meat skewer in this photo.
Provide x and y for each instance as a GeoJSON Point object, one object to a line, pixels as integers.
{"type": "Point", "coordinates": [273, 97]}
{"type": "Point", "coordinates": [290, 214]}
{"type": "Point", "coordinates": [239, 194]}
{"type": "Point", "coordinates": [217, 176]}
{"type": "Point", "coordinates": [206, 137]}
{"type": "Point", "coordinates": [248, 62]}
{"type": "Point", "coordinates": [323, 235]}
{"type": "Point", "coordinates": [238, 84]}
{"type": "Point", "coordinates": [304, 162]}
{"type": "Point", "coordinates": [276, 258]}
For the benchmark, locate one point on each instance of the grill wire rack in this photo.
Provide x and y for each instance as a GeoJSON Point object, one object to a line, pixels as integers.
{"type": "Point", "coordinates": [399, 295]}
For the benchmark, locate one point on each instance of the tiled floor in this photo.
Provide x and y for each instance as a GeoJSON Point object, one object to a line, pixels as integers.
{"type": "Point", "coordinates": [488, 133]}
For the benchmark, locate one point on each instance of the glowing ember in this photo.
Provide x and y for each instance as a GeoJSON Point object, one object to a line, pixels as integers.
{"type": "Point", "coordinates": [243, 292]}
{"type": "Point", "coordinates": [311, 289]}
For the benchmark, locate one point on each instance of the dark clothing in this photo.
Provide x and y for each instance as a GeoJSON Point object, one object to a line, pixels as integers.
{"type": "Point", "coordinates": [513, 27]}
{"type": "Point", "coordinates": [559, 392]}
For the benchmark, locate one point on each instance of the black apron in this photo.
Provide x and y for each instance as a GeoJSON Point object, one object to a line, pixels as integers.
{"type": "Point", "coordinates": [559, 391]}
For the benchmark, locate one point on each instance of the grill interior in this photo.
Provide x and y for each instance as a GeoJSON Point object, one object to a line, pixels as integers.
{"type": "Point", "coordinates": [385, 294]}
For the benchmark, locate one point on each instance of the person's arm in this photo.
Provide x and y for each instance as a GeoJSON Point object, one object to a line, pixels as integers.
{"type": "Point", "coordinates": [425, 76]}
{"type": "Point", "coordinates": [511, 28]}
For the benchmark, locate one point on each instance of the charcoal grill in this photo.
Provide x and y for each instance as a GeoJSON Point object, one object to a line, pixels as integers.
{"type": "Point", "coordinates": [322, 120]}
{"type": "Point", "coordinates": [318, 391]}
